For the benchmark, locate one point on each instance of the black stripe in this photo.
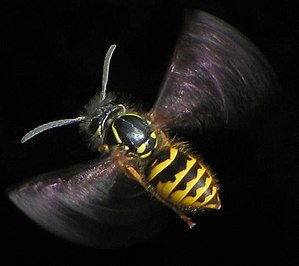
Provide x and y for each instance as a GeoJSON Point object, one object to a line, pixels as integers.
{"type": "Point", "coordinates": [188, 177]}
{"type": "Point", "coordinates": [168, 173]}
{"type": "Point", "coordinates": [207, 193]}
{"type": "Point", "coordinates": [214, 200]}
{"type": "Point", "coordinates": [201, 183]}
{"type": "Point", "coordinates": [163, 155]}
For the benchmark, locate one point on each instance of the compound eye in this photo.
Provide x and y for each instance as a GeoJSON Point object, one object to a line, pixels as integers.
{"type": "Point", "coordinates": [90, 127]}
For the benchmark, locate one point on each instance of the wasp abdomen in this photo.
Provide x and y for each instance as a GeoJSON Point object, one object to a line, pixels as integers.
{"type": "Point", "coordinates": [181, 179]}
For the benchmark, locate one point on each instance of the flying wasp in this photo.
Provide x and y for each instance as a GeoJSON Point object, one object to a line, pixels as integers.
{"type": "Point", "coordinates": [216, 79]}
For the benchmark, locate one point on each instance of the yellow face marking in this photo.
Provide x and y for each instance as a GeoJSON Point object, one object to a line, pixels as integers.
{"type": "Point", "coordinates": [126, 148]}
{"type": "Point", "coordinates": [180, 195]}
{"type": "Point", "coordinates": [115, 133]}
{"type": "Point", "coordinates": [141, 148]}
{"type": "Point", "coordinates": [167, 188]}
{"type": "Point", "coordinates": [146, 155]}
{"type": "Point", "coordinates": [159, 167]}
{"type": "Point", "coordinates": [99, 130]}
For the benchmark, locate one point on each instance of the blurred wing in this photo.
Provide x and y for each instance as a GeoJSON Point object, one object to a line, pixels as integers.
{"type": "Point", "coordinates": [216, 77]}
{"type": "Point", "coordinates": [92, 204]}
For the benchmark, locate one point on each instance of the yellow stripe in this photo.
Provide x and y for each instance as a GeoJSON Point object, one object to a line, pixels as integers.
{"type": "Point", "coordinates": [153, 135]}
{"type": "Point", "coordinates": [141, 148]}
{"type": "Point", "coordinates": [161, 166]}
{"type": "Point", "coordinates": [190, 201]}
{"type": "Point", "coordinates": [207, 199]}
{"type": "Point", "coordinates": [201, 190]}
{"type": "Point", "coordinates": [216, 205]}
{"type": "Point", "coordinates": [99, 130]}
{"type": "Point", "coordinates": [118, 140]}
{"type": "Point", "coordinates": [146, 154]}
{"type": "Point", "coordinates": [179, 196]}
{"type": "Point", "coordinates": [132, 114]}
{"type": "Point", "coordinates": [156, 143]}
{"type": "Point", "coordinates": [168, 187]}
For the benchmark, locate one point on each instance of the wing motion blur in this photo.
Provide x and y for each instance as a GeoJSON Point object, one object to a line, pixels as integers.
{"type": "Point", "coordinates": [216, 78]}
{"type": "Point", "coordinates": [92, 204]}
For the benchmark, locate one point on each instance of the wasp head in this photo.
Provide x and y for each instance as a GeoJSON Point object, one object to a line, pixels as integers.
{"type": "Point", "coordinates": [99, 114]}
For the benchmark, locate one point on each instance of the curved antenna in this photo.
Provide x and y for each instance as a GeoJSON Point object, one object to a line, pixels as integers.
{"type": "Point", "coordinates": [58, 123]}
{"type": "Point", "coordinates": [106, 70]}
{"type": "Point", "coordinates": [64, 122]}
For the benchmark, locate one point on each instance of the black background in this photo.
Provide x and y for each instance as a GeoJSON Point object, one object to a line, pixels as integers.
{"type": "Point", "coordinates": [53, 54]}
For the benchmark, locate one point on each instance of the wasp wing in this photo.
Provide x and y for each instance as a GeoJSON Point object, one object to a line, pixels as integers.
{"type": "Point", "coordinates": [216, 77]}
{"type": "Point", "coordinates": [93, 204]}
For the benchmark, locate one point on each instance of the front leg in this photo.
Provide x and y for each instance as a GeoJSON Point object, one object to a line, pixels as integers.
{"type": "Point", "coordinates": [137, 176]}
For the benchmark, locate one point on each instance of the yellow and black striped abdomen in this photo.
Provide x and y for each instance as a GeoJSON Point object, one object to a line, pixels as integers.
{"type": "Point", "coordinates": [181, 179]}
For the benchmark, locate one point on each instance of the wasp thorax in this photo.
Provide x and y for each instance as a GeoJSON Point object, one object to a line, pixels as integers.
{"type": "Point", "coordinates": [134, 133]}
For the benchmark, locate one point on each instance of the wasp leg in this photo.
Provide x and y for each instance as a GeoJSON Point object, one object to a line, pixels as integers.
{"type": "Point", "coordinates": [188, 221]}
{"type": "Point", "coordinates": [179, 212]}
{"type": "Point", "coordinates": [104, 148]}
{"type": "Point", "coordinates": [140, 179]}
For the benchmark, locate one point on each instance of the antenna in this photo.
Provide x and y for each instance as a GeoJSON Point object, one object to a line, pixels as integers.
{"type": "Point", "coordinates": [58, 123]}
{"type": "Point", "coordinates": [64, 122]}
{"type": "Point", "coordinates": [106, 70]}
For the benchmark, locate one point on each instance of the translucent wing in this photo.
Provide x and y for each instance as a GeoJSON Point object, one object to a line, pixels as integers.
{"type": "Point", "coordinates": [216, 77]}
{"type": "Point", "coordinates": [93, 204]}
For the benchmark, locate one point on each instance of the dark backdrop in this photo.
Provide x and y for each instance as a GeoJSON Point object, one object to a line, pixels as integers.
{"type": "Point", "coordinates": [53, 54]}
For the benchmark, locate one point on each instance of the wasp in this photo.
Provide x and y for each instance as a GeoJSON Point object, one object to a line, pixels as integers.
{"type": "Point", "coordinates": [209, 84]}
{"type": "Point", "coordinates": [165, 168]}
